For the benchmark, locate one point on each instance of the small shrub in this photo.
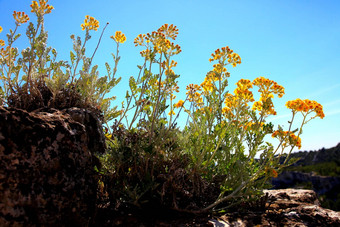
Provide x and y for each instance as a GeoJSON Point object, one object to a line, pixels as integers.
{"type": "Point", "coordinates": [206, 165]}
{"type": "Point", "coordinates": [35, 79]}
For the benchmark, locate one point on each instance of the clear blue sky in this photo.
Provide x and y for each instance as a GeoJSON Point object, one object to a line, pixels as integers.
{"type": "Point", "coordinates": [295, 43]}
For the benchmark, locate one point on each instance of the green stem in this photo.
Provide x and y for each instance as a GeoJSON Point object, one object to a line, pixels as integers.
{"type": "Point", "coordinates": [100, 38]}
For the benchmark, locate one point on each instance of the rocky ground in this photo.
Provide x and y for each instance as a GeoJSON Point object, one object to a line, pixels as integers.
{"type": "Point", "coordinates": [48, 179]}
{"type": "Point", "coordinates": [285, 207]}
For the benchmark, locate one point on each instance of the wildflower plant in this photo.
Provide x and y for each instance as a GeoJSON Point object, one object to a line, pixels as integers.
{"type": "Point", "coordinates": [146, 145]}
{"type": "Point", "coordinates": [224, 140]}
{"type": "Point", "coordinates": [225, 132]}
{"type": "Point", "coordinates": [34, 78]}
{"type": "Point", "coordinates": [221, 154]}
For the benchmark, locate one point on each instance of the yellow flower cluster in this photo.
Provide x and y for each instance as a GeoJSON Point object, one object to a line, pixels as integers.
{"type": "Point", "coordinates": [139, 40]}
{"type": "Point", "coordinates": [179, 104]}
{"type": "Point", "coordinates": [42, 9]}
{"type": "Point", "coordinates": [90, 23]}
{"type": "Point", "coordinates": [252, 125]}
{"type": "Point", "coordinates": [168, 66]}
{"type": "Point", "coordinates": [223, 54]}
{"type": "Point", "coordinates": [145, 53]}
{"type": "Point", "coordinates": [194, 95]}
{"type": "Point", "coordinates": [172, 96]}
{"type": "Point", "coordinates": [219, 68]}
{"type": "Point", "coordinates": [288, 137]}
{"type": "Point", "coordinates": [242, 96]}
{"type": "Point", "coordinates": [159, 40]}
{"type": "Point", "coordinates": [175, 88]}
{"type": "Point", "coordinates": [170, 31]}
{"type": "Point", "coordinates": [267, 88]}
{"type": "Point", "coordinates": [242, 90]}
{"type": "Point", "coordinates": [306, 106]}
{"type": "Point", "coordinates": [119, 37]}
{"type": "Point", "coordinates": [162, 44]}
{"type": "Point", "coordinates": [234, 59]}
{"type": "Point", "coordinates": [271, 172]}
{"type": "Point", "coordinates": [156, 84]}
{"type": "Point", "coordinates": [231, 101]}
{"type": "Point", "coordinates": [225, 110]}
{"type": "Point", "coordinates": [207, 85]}
{"type": "Point", "coordinates": [2, 43]}
{"type": "Point", "coordinates": [20, 17]}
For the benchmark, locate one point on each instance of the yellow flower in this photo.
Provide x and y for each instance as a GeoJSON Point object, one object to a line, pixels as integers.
{"type": "Point", "coordinates": [139, 40]}
{"type": "Point", "coordinates": [2, 43]}
{"type": "Point", "coordinates": [170, 31]}
{"type": "Point", "coordinates": [119, 37]}
{"type": "Point", "coordinates": [274, 173]}
{"type": "Point", "coordinates": [20, 17]}
{"type": "Point", "coordinates": [42, 9]}
{"type": "Point", "coordinates": [226, 110]}
{"type": "Point", "coordinates": [219, 68]}
{"type": "Point", "coordinates": [193, 94]}
{"type": "Point", "coordinates": [171, 113]}
{"type": "Point", "coordinates": [294, 140]}
{"type": "Point", "coordinates": [242, 90]}
{"type": "Point", "coordinates": [221, 53]}
{"type": "Point", "coordinates": [234, 59]}
{"type": "Point", "coordinates": [179, 104]}
{"type": "Point", "coordinates": [257, 106]}
{"type": "Point", "coordinates": [172, 96]}
{"type": "Point", "coordinates": [289, 137]}
{"type": "Point", "coordinates": [306, 106]}
{"type": "Point", "coordinates": [90, 23]}
{"type": "Point", "coordinates": [207, 85]}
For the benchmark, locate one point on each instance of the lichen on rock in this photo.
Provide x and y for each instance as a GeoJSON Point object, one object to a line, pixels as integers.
{"type": "Point", "coordinates": [47, 168]}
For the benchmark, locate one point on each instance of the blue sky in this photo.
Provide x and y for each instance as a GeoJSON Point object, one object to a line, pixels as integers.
{"type": "Point", "coordinates": [295, 43]}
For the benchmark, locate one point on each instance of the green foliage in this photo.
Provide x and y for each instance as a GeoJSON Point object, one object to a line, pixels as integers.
{"type": "Point", "coordinates": [37, 79]}
{"type": "Point", "coordinates": [331, 169]}
{"type": "Point", "coordinates": [210, 163]}
{"type": "Point", "coordinates": [141, 173]}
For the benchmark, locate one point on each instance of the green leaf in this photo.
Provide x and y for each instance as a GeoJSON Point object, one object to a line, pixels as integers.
{"type": "Point", "coordinates": [132, 84]}
{"type": "Point", "coordinates": [16, 37]}
{"type": "Point", "coordinates": [108, 68]}
{"type": "Point", "coordinates": [72, 57]}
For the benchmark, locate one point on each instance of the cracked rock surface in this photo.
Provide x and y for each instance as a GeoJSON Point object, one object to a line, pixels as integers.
{"type": "Point", "coordinates": [46, 174]}
{"type": "Point", "coordinates": [285, 207]}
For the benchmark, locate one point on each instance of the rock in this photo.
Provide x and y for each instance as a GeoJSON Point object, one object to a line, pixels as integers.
{"type": "Point", "coordinates": [285, 207]}
{"type": "Point", "coordinates": [47, 172]}
{"type": "Point", "coordinates": [93, 127]}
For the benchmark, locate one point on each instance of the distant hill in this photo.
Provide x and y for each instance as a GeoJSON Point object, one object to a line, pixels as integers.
{"type": "Point", "coordinates": [315, 157]}
{"type": "Point", "coordinates": [317, 170]}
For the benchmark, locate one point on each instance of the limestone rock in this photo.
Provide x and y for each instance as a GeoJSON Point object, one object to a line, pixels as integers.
{"type": "Point", "coordinates": [47, 172]}
{"type": "Point", "coordinates": [285, 207]}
